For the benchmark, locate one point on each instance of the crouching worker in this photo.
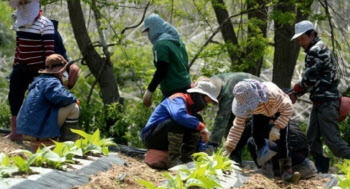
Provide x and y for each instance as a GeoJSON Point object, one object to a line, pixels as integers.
{"type": "Point", "coordinates": [50, 110]}
{"type": "Point", "coordinates": [299, 150]}
{"type": "Point", "coordinates": [172, 132]}
{"type": "Point", "coordinates": [264, 101]}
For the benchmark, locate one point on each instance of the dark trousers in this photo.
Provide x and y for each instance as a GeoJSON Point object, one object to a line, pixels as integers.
{"type": "Point", "coordinates": [20, 79]}
{"type": "Point", "coordinates": [297, 157]}
{"type": "Point", "coordinates": [261, 129]}
{"type": "Point", "coordinates": [158, 138]}
{"type": "Point", "coordinates": [324, 123]}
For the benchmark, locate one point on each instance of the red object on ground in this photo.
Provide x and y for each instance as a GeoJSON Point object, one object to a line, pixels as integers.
{"type": "Point", "coordinates": [156, 158]}
{"type": "Point", "coordinates": [344, 108]}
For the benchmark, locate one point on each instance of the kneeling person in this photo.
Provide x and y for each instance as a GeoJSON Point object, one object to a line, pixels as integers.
{"type": "Point", "coordinates": [175, 126]}
{"type": "Point", "coordinates": [299, 151]}
{"type": "Point", "coordinates": [49, 106]}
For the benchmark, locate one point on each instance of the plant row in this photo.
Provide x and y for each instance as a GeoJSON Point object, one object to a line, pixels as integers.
{"type": "Point", "coordinates": [57, 156]}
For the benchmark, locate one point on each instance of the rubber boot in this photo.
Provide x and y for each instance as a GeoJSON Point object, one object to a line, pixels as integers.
{"type": "Point", "coordinates": [189, 146]}
{"type": "Point", "coordinates": [66, 133]}
{"type": "Point", "coordinates": [306, 169]}
{"type": "Point", "coordinates": [14, 136]}
{"type": "Point", "coordinates": [322, 164]}
{"type": "Point", "coordinates": [174, 149]}
{"type": "Point", "coordinates": [287, 172]}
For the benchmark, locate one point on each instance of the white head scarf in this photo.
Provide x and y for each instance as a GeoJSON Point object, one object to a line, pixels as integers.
{"type": "Point", "coordinates": [27, 13]}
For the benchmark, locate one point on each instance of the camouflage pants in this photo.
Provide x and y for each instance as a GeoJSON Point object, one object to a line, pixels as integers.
{"type": "Point", "coordinates": [169, 135]}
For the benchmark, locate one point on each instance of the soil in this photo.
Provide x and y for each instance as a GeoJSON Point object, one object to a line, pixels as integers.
{"type": "Point", "coordinates": [126, 176]}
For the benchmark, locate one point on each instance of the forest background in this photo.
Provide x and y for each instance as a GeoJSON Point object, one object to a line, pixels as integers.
{"type": "Point", "coordinates": [221, 36]}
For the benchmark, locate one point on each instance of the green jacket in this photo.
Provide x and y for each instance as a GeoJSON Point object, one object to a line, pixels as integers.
{"type": "Point", "coordinates": [173, 53]}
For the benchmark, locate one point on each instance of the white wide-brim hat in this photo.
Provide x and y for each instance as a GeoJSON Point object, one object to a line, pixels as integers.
{"type": "Point", "coordinates": [206, 88]}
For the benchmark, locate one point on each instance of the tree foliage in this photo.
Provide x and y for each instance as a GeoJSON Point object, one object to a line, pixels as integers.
{"type": "Point", "coordinates": [112, 45]}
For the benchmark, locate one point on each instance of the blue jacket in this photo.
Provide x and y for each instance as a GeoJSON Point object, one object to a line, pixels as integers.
{"type": "Point", "coordinates": [176, 107]}
{"type": "Point", "coordinates": [38, 114]}
{"type": "Point", "coordinates": [59, 46]}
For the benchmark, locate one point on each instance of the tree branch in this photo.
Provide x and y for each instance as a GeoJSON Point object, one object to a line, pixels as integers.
{"type": "Point", "coordinates": [143, 17]}
{"type": "Point", "coordinates": [217, 31]}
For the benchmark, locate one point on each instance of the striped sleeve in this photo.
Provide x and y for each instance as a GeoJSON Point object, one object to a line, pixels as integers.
{"type": "Point", "coordinates": [235, 133]}
{"type": "Point", "coordinates": [284, 106]}
{"type": "Point", "coordinates": [48, 36]}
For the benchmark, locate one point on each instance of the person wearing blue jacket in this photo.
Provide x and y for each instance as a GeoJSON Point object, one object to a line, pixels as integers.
{"type": "Point", "coordinates": [49, 109]}
{"type": "Point", "coordinates": [174, 125]}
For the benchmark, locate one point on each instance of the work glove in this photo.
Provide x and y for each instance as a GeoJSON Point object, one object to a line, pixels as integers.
{"type": "Point", "coordinates": [298, 89]}
{"type": "Point", "coordinates": [78, 102]}
{"type": "Point", "coordinates": [65, 77]}
{"type": "Point", "coordinates": [292, 97]}
{"type": "Point", "coordinates": [205, 134]}
{"type": "Point", "coordinates": [147, 98]}
{"type": "Point", "coordinates": [226, 153]}
{"type": "Point", "coordinates": [274, 134]}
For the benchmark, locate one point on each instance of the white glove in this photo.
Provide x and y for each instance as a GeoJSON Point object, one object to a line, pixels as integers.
{"type": "Point", "coordinates": [205, 134]}
{"type": "Point", "coordinates": [65, 78]}
{"type": "Point", "coordinates": [147, 98]}
{"type": "Point", "coordinates": [226, 153]}
{"type": "Point", "coordinates": [274, 134]}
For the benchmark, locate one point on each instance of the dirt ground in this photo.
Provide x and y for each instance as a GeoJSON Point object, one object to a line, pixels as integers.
{"type": "Point", "coordinates": [125, 176]}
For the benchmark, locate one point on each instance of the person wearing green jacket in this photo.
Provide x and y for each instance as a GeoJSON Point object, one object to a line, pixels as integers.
{"type": "Point", "coordinates": [170, 59]}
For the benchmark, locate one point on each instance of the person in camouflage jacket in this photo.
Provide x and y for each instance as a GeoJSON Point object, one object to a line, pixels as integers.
{"type": "Point", "coordinates": [321, 80]}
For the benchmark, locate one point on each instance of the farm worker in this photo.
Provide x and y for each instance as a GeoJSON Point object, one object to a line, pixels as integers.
{"type": "Point", "coordinates": [170, 59]}
{"type": "Point", "coordinates": [223, 120]}
{"type": "Point", "coordinates": [34, 42]}
{"type": "Point", "coordinates": [321, 80]}
{"type": "Point", "coordinates": [174, 127]}
{"type": "Point", "coordinates": [264, 101]}
{"type": "Point", "coordinates": [299, 150]}
{"type": "Point", "coordinates": [50, 110]}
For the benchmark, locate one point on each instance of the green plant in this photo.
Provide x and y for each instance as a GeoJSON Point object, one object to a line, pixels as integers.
{"type": "Point", "coordinates": [6, 168]}
{"type": "Point", "coordinates": [44, 156]}
{"type": "Point", "coordinates": [22, 165]}
{"type": "Point", "coordinates": [68, 150]}
{"type": "Point", "coordinates": [344, 167]}
{"type": "Point", "coordinates": [93, 143]}
{"type": "Point", "coordinates": [205, 174]}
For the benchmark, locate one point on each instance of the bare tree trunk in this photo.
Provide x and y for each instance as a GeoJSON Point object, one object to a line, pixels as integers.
{"type": "Point", "coordinates": [101, 68]}
{"type": "Point", "coordinates": [286, 51]}
{"type": "Point", "coordinates": [260, 14]}
{"type": "Point", "coordinates": [227, 31]}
